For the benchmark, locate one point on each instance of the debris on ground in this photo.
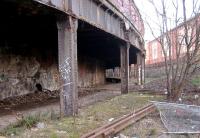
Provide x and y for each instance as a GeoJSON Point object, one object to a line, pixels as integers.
{"type": "Point", "coordinates": [34, 129]}
{"type": "Point", "coordinates": [179, 118]}
{"type": "Point", "coordinates": [38, 97]}
{"type": "Point", "coordinates": [40, 125]}
{"type": "Point", "coordinates": [111, 119]}
{"type": "Point", "coordinates": [150, 126]}
{"type": "Point", "coordinates": [92, 116]}
{"type": "Point", "coordinates": [61, 132]}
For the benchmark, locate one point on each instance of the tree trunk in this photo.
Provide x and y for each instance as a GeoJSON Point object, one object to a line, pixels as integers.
{"type": "Point", "coordinates": [175, 93]}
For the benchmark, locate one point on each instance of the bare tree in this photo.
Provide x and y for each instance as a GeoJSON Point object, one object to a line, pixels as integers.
{"type": "Point", "coordinates": [180, 46]}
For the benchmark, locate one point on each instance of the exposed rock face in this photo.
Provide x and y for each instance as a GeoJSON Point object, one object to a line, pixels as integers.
{"type": "Point", "coordinates": [20, 75]}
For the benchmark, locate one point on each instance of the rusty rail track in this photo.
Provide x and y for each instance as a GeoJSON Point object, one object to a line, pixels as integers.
{"type": "Point", "coordinates": [121, 123]}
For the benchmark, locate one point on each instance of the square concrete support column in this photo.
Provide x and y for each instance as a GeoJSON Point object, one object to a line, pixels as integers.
{"type": "Point", "coordinates": [141, 68]}
{"type": "Point", "coordinates": [67, 52]}
{"type": "Point", "coordinates": [124, 59]}
{"type": "Point", "coordinates": [139, 72]}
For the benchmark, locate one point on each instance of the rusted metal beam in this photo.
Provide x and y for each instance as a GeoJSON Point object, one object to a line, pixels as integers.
{"type": "Point", "coordinates": [124, 60]}
{"type": "Point", "coordinates": [67, 45]}
{"type": "Point", "coordinates": [116, 126]}
{"type": "Point", "coordinates": [94, 13]}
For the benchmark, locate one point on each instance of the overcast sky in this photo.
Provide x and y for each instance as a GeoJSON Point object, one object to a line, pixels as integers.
{"type": "Point", "coordinates": [148, 13]}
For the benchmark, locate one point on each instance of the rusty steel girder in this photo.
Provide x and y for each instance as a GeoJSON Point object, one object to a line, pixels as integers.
{"type": "Point", "coordinates": [105, 15]}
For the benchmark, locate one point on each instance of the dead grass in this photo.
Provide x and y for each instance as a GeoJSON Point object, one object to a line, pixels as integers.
{"type": "Point", "coordinates": [27, 122]}
{"type": "Point", "coordinates": [92, 116]}
{"type": "Point", "coordinates": [150, 126]}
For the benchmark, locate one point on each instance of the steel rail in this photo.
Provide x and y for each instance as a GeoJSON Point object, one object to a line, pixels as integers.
{"type": "Point", "coordinates": [121, 123]}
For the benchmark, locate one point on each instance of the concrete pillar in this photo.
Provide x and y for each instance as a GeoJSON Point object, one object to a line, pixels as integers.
{"type": "Point", "coordinates": [139, 73]}
{"type": "Point", "coordinates": [124, 59]}
{"type": "Point", "coordinates": [67, 52]}
{"type": "Point", "coordinates": [141, 68]}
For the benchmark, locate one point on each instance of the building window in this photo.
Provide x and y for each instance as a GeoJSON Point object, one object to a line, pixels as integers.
{"type": "Point", "coordinates": [154, 50]}
{"type": "Point", "coordinates": [181, 39]}
{"type": "Point", "coordinates": [147, 52]}
{"type": "Point", "coordinates": [165, 47]}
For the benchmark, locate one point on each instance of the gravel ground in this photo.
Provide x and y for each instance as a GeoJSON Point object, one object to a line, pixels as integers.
{"type": "Point", "coordinates": [90, 117]}
{"type": "Point", "coordinates": [12, 108]}
{"type": "Point", "coordinates": [13, 113]}
{"type": "Point", "coordinates": [151, 127]}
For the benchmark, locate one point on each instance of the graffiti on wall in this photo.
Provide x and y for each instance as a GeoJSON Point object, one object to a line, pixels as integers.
{"type": "Point", "coordinates": [65, 71]}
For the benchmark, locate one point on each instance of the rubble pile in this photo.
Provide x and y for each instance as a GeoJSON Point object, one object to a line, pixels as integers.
{"type": "Point", "coordinates": [30, 98]}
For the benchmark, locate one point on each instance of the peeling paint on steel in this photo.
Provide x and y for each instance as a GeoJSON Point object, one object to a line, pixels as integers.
{"type": "Point", "coordinates": [111, 20]}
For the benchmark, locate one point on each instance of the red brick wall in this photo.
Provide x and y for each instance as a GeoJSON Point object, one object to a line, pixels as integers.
{"type": "Point", "coordinates": [150, 46]}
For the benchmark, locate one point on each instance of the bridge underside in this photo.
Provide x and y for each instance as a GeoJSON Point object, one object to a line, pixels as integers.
{"type": "Point", "coordinates": [41, 48]}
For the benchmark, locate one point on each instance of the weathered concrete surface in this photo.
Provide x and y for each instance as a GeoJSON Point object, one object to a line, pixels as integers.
{"type": "Point", "coordinates": [124, 56]}
{"type": "Point", "coordinates": [68, 66]}
{"type": "Point", "coordinates": [141, 68]}
{"type": "Point", "coordinates": [91, 72]}
{"type": "Point", "coordinates": [19, 75]}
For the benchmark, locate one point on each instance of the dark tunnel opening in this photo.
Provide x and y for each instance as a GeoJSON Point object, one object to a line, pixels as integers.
{"type": "Point", "coordinates": [100, 51]}
{"type": "Point", "coordinates": [28, 48]}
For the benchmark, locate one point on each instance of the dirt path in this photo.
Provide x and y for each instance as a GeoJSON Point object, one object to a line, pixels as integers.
{"type": "Point", "coordinates": [10, 116]}
{"type": "Point", "coordinates": [13, 108]}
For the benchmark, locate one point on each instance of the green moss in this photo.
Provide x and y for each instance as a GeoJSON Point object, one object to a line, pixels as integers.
{"type": "Point", "coordinates": [27, 122]}
{"type": "Point", "coordinates": [152, 132]}
{"type": "Point", "coordinates": [196, 81]}
{"type": "Point", "coordinates": [16, 129]}
{"type": "Point", "coordinates": [12, 130]}
{"type": "Point", "coordinates": [53, 135]}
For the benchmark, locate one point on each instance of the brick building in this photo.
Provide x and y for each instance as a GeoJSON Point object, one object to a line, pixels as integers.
{"type": "Point", "coordinates": [154, 52]}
